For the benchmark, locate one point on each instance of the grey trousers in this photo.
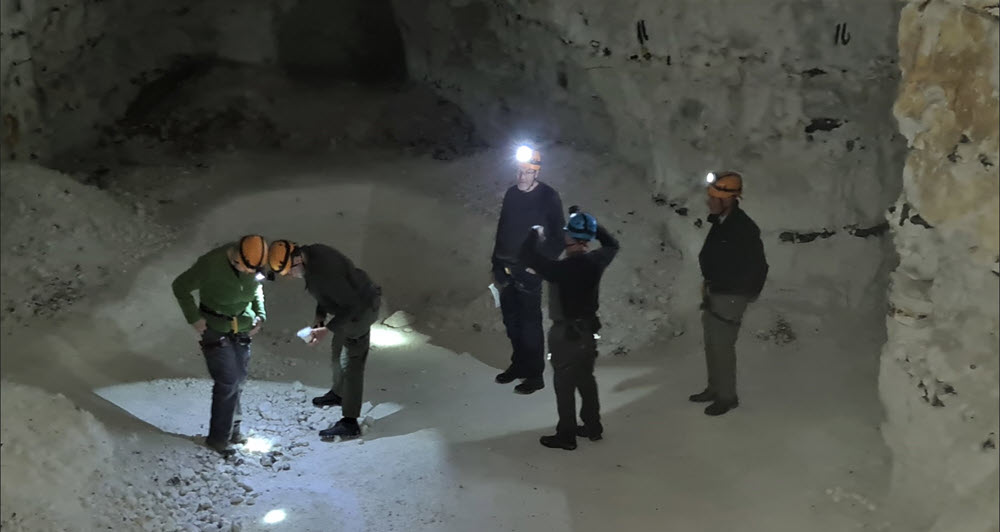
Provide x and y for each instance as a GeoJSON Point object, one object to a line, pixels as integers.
{"type": "Point", "coordinates": [349, 352]}
{"type": "Point", "coordinates": [228, 361]}
{"type": "Point", "coordinates": [721, 318]}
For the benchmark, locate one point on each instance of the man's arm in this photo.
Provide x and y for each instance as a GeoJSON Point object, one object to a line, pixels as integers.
{"type": "Point", "coordinates": [349, 300]}
{"type": "Point", "coordinates": [258, 303]}
{"type": "Point", "coordinates": [554, 223]}
{"type": "Point", "coordinates": [531, 257]}
{"type": "Point", "coordinates": [183, 285]}
{"type": "Point", "coordinates": [609, 247]}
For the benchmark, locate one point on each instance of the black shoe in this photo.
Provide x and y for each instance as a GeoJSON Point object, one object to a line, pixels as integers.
{"type": "Point", "coordinates": [221, 447]}
{"type": "Point", "coordinates": [583, 432]}
{"type": "Point", "coordinates": [719, 407]}
{"type": "Point", "coordinates": [529, 386]}
{"type": "Point", "coordinates": [703, 397]}
{"type": "Point", "coordinates": [557, 442]}
{"type": "Point", "coordinates": [345, 428]}
{"type": "Point", "coordinates": [507, 377]}
{"type": "Point", "coordinates": [328, 399]}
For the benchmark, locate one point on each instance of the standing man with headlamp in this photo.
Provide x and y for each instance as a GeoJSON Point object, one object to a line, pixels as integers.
{"type": "Point", "coordinates": [527, 203]}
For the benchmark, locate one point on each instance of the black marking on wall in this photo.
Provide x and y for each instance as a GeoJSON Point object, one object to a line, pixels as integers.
{"type": "Point", "coordinates": [607, 52]}
{"type": "Point", "coordinates": [904, 214]}
{"type": "Point", "coordinates": [850, 145]}
{"type": "Point", "coordinates": [841, 36]}
{"type": "Point", "coordinates": [985, 161]}
{"type": "Point", "coordinates": [813, 72]}
{"type": "Point", "coordinates": [964, 139]}
{"type": "Point", "coordinates": [698, 223]}
{"type": "Point", "coordinates": [953, 156]}
{"type": "Point", "coordinates": [796, 237]}
{"type": "Point", "coordinates": [865, 232]}
{"type": "Point", "coordinates": [561, 79]}
{"type": "Point", "coordinates": [683, 211]}
{"type": "Point", "coordinates": [640, 32]}
{"type": "Point", "coordinates": [823, 124]}
{"type": "Point", "coordinates": [659, 199]}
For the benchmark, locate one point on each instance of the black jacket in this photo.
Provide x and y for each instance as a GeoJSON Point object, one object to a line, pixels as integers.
{"type": "Point", "coordinates": [338, 286]}
{"type": "Point", "coordinates": [576, 279]}
{"type": "Point", "coordinates": [732, 258]}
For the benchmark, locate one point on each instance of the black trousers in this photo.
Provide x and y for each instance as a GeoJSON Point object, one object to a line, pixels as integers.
{"type": "Point", "coordinates": [521, 305]}
{"type": "Point", "coordinates": [228, 361]}
{"type": "Point", "coordinates": [574, 352]}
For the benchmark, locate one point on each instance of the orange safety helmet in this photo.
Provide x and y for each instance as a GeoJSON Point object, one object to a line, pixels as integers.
{"type": "Point", "coordinates": [252, 252]}
{"type": "Point", "coordinates": [279, 257]}
{"type": "Point", "coordinates": [725, 185]}
{"type": "Point", "coordinates": [528, 158]}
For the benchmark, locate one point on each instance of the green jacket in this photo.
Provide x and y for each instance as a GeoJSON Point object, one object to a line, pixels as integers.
{"type": "Point", "coordinates": [223, 290]}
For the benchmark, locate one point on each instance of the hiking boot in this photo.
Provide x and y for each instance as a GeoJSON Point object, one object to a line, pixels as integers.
{"type": "Point", "coordinates": [558, 442]}
{"type": "Point", "coordinates": [702, 397]}
{"type": "Point", "coordinates": [592, 435]}
{"type": "Point", "coordinates": [721, 407]}
{"type": "Point", "coordinates": [345, 428]}
{"type": "Point", "coordinates": [508, 376]}
{"type": "Point", "coordinates": [529, 386]}
{"type": "Point", "coordinates": [328, 399]}
{"type": "Point", "coordinates": [221, 447]}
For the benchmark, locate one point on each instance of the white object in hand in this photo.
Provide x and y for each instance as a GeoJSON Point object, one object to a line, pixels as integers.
{"type": "Point", "coordinates": [305, 334]}
{"type": "Point", "coordinates": [496, 295]}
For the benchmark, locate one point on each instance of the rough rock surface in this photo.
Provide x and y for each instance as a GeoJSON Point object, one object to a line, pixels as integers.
{"type": "Point", "coordinates": [939, 367]}
{"type": "Point", "coordinates": [794, 96]}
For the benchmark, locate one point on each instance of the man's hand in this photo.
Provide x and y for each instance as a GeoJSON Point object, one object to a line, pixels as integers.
{"type": "Point", "coordinates": [532, 272]}
{"type": "Point", "coordinates": [200, 326]}
{"type": "Point", "coordinates": [540, 230]}
{"type": "Point", "coordinates": [257, 324]}
{"type": "Point", "coordinates": [317, 335]}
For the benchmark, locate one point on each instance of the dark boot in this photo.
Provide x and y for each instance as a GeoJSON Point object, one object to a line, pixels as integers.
{"type": "Point", "coordinates": [345, 428]}
{"type": "Point", "coordinates": [508, 376]}
{"type": "Point", "coordinates": [530, 386]}
{"type": "Point", "coordinates": [702, 397]}
{"type": "Point", "coordinates": [328, 399]}
{"type": "Point", "coordinates": [221, 447]}
{"type": "Point", "coordinates": [721, 407]}
{"type": "Point", "coordinates": [558, 442]}
{"type": "Point", "coordinates": [592, 435]}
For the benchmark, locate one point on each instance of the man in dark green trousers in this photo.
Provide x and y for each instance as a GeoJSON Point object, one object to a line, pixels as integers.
{"type": "Point", "coordinates": [734, 269]}
{"type": "Point", "coordinates": [228, 313]}
{"type": "Point", "coordinates": [346, 293]}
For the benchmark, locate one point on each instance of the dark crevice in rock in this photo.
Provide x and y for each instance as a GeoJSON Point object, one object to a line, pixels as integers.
{"type": "Point", "coordinates": [813, 72]}
{"type": "Point", "coordinates": [916, 219]}
{"type": "Point", "coordinates": [823, 124]}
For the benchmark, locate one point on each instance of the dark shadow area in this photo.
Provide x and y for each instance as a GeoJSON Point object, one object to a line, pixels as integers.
{"type": "Point", "coordinates": [357, 40]}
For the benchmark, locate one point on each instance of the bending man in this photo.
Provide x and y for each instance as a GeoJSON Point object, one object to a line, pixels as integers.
{"type": "Point", "coordinates": [348, 295]}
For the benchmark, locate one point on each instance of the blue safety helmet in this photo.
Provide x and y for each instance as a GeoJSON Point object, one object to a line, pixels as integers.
{"type": "Point", "coordinates": [581, 226]}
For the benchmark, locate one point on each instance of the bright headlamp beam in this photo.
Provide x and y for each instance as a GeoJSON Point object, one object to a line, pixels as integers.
{"type": "Point", "coordinates": [523, 154]}
{"type": "Point", "coordinates": [710, 177]}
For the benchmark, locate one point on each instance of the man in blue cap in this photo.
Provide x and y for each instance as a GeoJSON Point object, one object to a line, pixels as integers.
{"type": "Point", "coordinates": [574, 283]}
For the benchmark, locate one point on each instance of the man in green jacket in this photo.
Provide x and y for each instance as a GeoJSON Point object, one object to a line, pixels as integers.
{"type": "Point", "coordinates": [229, 312]}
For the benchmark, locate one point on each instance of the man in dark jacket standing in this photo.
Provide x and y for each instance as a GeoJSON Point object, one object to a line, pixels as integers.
{"type": "Point", "coordinates": [575, 283]}
{"type": "Point", "coordinates": [734, 269]}
{"type": "Point", "coordinates": [348, 295]}
{"type": "Point", "coordinates": [526, 204]}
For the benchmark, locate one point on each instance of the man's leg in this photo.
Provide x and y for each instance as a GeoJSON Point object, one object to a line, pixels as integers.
{"type": "Point", "coordinates": [510, 308]}
{"type": "Point", "coordinates": [564, 383]}
{"type": "Point", "coordinates": [332, 397]}
{"type": "Point", "coordinates": [590, 405]}
{"type": "Point", "coordinates": [243, 358]}
{"type": "Point", "coordinates": [531, 358]}
{"type": "Point", "coordinates": [221, 359]}
{"type": "Point", "coordinates": [722, 322]}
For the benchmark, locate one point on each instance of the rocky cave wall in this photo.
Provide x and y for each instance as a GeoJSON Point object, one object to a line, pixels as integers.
{"type": "Point", "coordinates": [72, 68]}
{"type": "Point", "coordinates": [796, 96]}
{"type": "Point", "coordinates": [939, 367]}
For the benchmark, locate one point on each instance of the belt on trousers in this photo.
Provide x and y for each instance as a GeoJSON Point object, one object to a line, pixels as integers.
{"type": "Point", "coordinates": [233, 320]}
